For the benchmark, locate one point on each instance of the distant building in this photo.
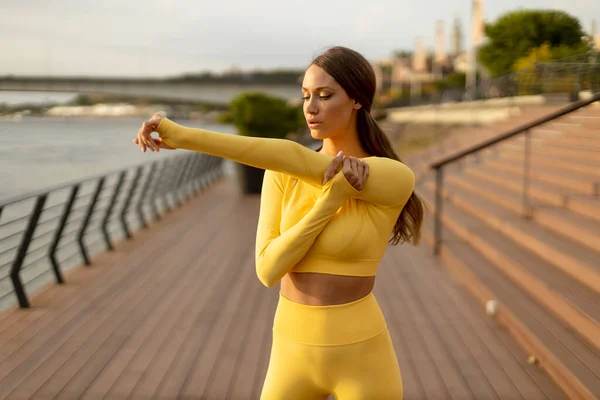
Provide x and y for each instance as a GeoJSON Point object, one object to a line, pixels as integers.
{"type": "Point", "coordinates": [422, 65]}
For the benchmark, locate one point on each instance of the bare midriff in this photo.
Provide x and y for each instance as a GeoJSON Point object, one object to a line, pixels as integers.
{"type": "Point", "coordinates": [317, 289]}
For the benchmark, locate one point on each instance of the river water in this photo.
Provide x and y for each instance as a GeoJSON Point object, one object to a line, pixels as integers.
{"type": "Point", "coordinates": [40, 152]}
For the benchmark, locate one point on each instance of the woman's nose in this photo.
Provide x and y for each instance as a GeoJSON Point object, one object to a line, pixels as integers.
{"type": "Point", "coordinates": [311, 107]}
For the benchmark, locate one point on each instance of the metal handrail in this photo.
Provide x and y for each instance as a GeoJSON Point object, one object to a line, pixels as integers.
{"type": "Point", "coordinates": [439, 165]}
{"type": "Point", "coordinates": [138, 188]}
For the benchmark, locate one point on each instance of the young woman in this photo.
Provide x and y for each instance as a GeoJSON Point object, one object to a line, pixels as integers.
{"type": "Point", "coordinates": [326, 219]}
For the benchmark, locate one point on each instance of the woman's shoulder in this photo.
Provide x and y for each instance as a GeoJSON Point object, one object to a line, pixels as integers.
{"type": "Point", "coordinates": [388, 164]}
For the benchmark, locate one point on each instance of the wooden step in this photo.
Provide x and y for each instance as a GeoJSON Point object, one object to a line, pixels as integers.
{"type": "Point", "coordinates": [564, 152]}
{"type": "Point", "coordinates": [559, 220]}
{"type": "Point", "coordinates": [566, 297]}
{"type": "Point", "coordinates": [588, 121]}
{"type": "Point", "coordinates": [590, 144]}
{"type": "Point", "coordinates": [557, 349]}
{"type": "Point", "coordinates": [589, 207]}
{"type": "Point", "coordinates": [566, 130]}
{"type": "Point", "coordinates": [572, 128]}
{"type": "Point", "coordinates": [579, 183]}
{"type": "Point", "coordinates": [559, 138]}
{"type": "Point", "coordinates": [518, 158]}
{"type": "Point", "coordinates": [573, 259]}
{"type": "Point", "coordinates": [538, 191]}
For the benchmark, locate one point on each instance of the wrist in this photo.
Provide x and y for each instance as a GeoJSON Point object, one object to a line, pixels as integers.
{"type": "Point", "coordinates": [340, 187]}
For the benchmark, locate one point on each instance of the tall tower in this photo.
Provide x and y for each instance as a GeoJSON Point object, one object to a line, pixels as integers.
{"type": "Point", "coordinates": [439, 55]}
{"type": "Point", "coordinates": [457, 37]}
{"type": "Point", "coordinates": [477, 34]}
{"type": "Point", "coordinates": [595, 35]}
{"type": "Point", "coordinates": [440, 43]}
{"type": "Point", "coordinates": [420, 56]}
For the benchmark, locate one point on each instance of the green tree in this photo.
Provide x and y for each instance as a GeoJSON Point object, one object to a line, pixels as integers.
{"type": "Point", "coordinates": [258, 114]}
{"type": "Point", "coordinates": [514, 34]}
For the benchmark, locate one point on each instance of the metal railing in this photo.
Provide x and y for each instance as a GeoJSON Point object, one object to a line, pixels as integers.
{"type": "Point", "coordinates": [90, 215]}
{"type": "Point", "coordinates": [562, 79]}
{"type": "Point", "coordinates": [567, 76]}
{"type": "Point", "coordinates": [524, 129]}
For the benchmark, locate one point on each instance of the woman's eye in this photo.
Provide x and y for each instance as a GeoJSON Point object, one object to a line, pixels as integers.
{"type": "Point", "coordinates": [321, 97]}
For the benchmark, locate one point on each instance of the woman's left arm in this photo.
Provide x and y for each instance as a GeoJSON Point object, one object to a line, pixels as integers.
{"type": "Point", "coordinates": [390, 182]}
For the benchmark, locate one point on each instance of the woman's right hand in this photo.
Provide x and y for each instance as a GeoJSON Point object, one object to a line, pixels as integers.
{"type": "Point", "coordinates": [355, 170]}
{"type": "Point", "coordinates": [144, 137]}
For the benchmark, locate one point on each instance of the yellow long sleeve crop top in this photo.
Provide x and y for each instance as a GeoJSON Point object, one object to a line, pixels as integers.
{"type": "Point", "coordinates": [303, 225]}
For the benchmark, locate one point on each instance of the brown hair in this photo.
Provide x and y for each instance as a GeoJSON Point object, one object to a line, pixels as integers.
{"type": "Point", "coordinates": [354, 73]}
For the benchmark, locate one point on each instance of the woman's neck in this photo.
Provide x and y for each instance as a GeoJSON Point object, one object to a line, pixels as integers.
{"type": "Point", "coordinates": [347, 142]}
{"type": "Point", "coordinates": [332, 147]}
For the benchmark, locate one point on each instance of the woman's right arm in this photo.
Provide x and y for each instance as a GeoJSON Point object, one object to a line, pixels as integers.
{"type": "Point", "coordinates": [390, 182]}
{"type": "Point", "coordinates": [277, 253]}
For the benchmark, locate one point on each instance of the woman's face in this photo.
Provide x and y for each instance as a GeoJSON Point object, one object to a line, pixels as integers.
{"type": "Point", "coordinates": [328, 110]}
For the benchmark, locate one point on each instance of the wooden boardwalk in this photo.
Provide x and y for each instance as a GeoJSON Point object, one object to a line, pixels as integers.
{"type": "Point", "coordinates": [178, 313]}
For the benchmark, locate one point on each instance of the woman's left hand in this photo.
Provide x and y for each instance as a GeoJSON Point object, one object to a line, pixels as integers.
{"type": "Point", "coordinates": [144, 137]}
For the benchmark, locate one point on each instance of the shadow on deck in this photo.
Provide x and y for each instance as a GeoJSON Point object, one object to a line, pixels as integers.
{"type": "Point", "coordinates": [179, 313]}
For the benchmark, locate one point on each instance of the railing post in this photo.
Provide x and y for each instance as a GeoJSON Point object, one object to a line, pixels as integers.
{"type": "Point", "coordinates": [86, 221]}
{"type": "Point", "coordinates": [199, 175]}
{"type": "Point", "coordinates": [134, 185]}
{"type": "Point", "coordinates": [196, 174]}
{"type": "Point", "coordinates": [179, 186]}
{"type": "Point", "coordinates": [144, 194]}
{"type": "Point", "coordinates": [188, 184]}
{"type": "Point", "coordinates": [58, 234]}
{"type": "Point", "coordinates": [183, 164]}
{"type": "Point", "coordinates": [439, 179]}
{"type": "Point", "coordinates": [167, 182]}
{"type": "Point", "coordinates": [156, 187]}
{"type": "Point", "coordinates": [22, 252]}
{"type": "Point", "coordinates": [527, 212]}
{"type": "Point", "coordinates": [109, 210]}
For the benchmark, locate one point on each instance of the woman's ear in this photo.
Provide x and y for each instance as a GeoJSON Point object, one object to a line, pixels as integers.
{"type": "Point", "coordinates": [356, 106]}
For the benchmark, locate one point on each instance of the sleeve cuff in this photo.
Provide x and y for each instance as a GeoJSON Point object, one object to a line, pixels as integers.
{"type": "Point", "coordinates": [339, 184]}
{"type": "Point", "coordinates": [164, 128]}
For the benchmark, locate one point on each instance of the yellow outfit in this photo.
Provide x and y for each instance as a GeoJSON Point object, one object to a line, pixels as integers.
{"type": "Point", "coordinates": [305, 226]}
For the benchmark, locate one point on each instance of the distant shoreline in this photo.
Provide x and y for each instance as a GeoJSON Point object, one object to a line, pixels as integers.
{"type": "Point", "coordinates": [114, 110]}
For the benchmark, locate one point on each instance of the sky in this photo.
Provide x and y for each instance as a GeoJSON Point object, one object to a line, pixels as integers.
{"type": "Point", "coordinates": [167, 38]}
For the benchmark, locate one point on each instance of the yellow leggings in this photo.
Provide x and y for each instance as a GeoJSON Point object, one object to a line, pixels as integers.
{"type": "Point", "coordinates": [344, 350]}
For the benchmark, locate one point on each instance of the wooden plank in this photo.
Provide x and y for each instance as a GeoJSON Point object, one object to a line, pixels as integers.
{"type": "Point", "coordinates": [101, 275]}
{"type": "Point", "coordinates": [452, 377]}
{"type": "Point", "coordinates": [475, 339]}
{"type": "Point", "coordinates": [144, 340]}
{"type": "Point", "coordinates": [193, 273]}
{"type": "Point", "coordinates": [227, 366]}
{"type": "Point", "coordinates": [424, 359]}
{"type": "Point", "coordinates": [469, 358]}
{"type": "Point", "coordinates": [244, 385]}
{"type": "Point", "coordinates": [150, 375]}
{"type": "Point", "coordinates": [96, 325]}
{"type": "Point", "coordinates": [413, 386]}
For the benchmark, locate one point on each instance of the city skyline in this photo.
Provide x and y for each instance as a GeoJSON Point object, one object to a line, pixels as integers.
{"type": "Point", "coordinates": [156, 39]}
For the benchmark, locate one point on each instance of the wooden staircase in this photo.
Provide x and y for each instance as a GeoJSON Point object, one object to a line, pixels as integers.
{"type": "Point", "coordinates": [538, 260]}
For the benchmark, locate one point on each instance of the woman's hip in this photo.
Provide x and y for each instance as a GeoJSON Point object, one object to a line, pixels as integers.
{"type": "Point", "coordinates": [332, 325]}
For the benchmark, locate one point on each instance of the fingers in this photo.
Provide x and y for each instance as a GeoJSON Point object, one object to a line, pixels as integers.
{"type": "Point", "coordinates": [144, 139]}
{"type": "Point", "coordinates": [148, 128]}
{"type": "Point", "coordinates": [356, 171]}
{"type": "Point", "coordinates": [333, 167]}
